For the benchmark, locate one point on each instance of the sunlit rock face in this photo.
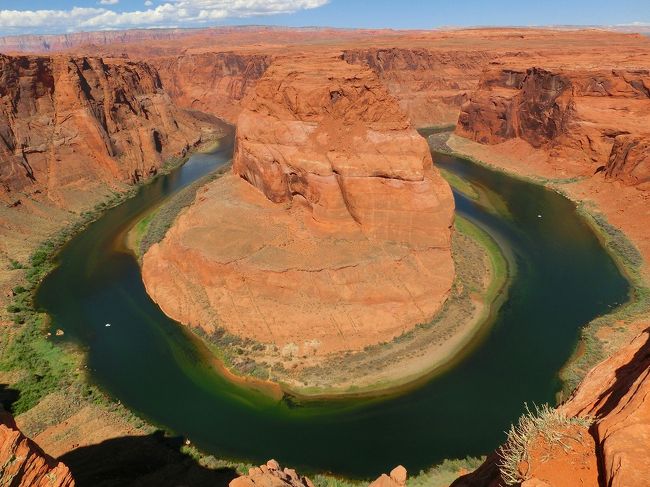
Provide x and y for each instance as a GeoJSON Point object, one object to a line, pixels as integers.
{"type": "Point", "coordinates": [332, 233]}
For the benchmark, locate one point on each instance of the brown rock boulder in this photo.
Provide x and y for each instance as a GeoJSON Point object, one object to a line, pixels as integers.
{"type": "Point", "coordinates": [24, 464]}
{"type": "Point", "coordinates": [629, 160]}
{"type": "Point", "coordinates": [333, 233]}
{"type": "Point", "coordinates": [397, 478]}
{"type": "Point", "coordinates": [271, 475]}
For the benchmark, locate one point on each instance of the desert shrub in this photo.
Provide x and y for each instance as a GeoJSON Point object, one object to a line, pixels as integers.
{"type": "Point", "coordinates": [14, 264]}
{"type": "Point", "coordinates": [544, 421]}
{"type": "Point", "coordinates": [619, 243]}
{"type": "Point", "coordinates": [445, 473]}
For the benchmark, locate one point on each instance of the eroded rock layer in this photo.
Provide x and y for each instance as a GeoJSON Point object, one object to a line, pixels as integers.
{"type": "Point", "coordinates": [334, 230]}
{"type": "Point", "coordinates": [211, 82]}
{"type": "Point", "coordinates": [587, 118]}
{"type": "Point", "coordinates": [24, 464]}
{"type": "Point", "coordinates": [430, 85]}
{"type": "Point", "coordinates": [69, 125]}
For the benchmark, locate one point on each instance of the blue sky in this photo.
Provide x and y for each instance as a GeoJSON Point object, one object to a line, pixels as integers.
{"type": "Point", "coordinates": [45, 16]}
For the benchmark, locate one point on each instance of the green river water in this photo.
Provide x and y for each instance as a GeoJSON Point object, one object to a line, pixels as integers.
{"type": "Point", "coordinates": [564, 278]}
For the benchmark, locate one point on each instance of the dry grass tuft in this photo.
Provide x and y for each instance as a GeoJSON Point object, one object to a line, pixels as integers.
{"type": "Point", "coordinates": [544, 421]}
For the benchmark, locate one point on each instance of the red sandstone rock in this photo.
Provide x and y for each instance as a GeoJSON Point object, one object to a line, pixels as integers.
{"type": "Point", "coordinates": [616, 392]}
{"type": "Point", "coordinates": [429, 84]}
{"type": "Point", "coordinates": [629, 160]}
{"type": "Point", "coordinates": [397, 478]}
{"type": "Point", "coordinates": [211, 82]}
{"type": "Point", "coordinates": [271, 475]}
{"type": "Point", "coordinates": [588, 117]}
{"type": "Point", "coordinates": [24, 464]}
{"type": "Point", "coordinates": [337, 233]}
{"type": "Point", "coordinates": [69, 125]}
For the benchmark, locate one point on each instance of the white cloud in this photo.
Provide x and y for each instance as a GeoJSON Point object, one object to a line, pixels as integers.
{"type": "Point", "coordinates": [170, 13]}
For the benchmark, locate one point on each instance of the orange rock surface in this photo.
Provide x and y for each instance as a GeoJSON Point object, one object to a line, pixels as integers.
{"type": "Point", "coordinates": [332, 234]}
{"type": "Point", "coordinates": [430, 84]}
{"type": "Point", "coordinates": [23, 463]}
{"type": "Point", "coordinates": [586, 117]}
{"type": "Point", "coordinates": [211, 82]}
{"type": "Point", "coordinates": [272, 475]}
{"type": "Point", "coordinates": [616, 392]}
{"type": "Point", "coordinates": [67, 125]}
{"type": "Point", "coordinates": [396, 478]}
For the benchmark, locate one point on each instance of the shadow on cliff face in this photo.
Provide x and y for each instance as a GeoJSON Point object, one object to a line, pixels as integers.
{"type": "Point", "coordinates": [141, 461]}
{"type": "Point", "coordinates": [626, 376]}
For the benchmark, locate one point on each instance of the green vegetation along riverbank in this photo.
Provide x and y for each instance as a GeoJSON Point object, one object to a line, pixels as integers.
{"type": "Point", "coordinates": [389, 368]}
{"type": "Point", "coordinates": [606, 333]}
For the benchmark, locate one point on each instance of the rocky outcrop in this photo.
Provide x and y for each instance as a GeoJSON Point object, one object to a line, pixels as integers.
{"type": "Point", "coordinates": [69, 125]}
{"type": "Point", "coordinates": [211, 82]}
{"type": "Point", "coordinates": [396, 478]}
{"type": "Point", "coordinates": [589, 117]}
{"type": "Point", "coordinates": [629, 160]}
{"type": "Point", "coordinates": [332, 234]}
{"type": "Point", "coordinates": [535, 105]}
{"type": "Point", "coordinates": [272, 475]}
{"type": "Point", "coordinates": [615, 394]}
{"type": "Point", "coordinates": [24, 464]}
{"type": "Point", "coordinates": [430, 85]}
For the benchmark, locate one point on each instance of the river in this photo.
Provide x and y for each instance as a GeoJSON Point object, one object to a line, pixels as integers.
{"type": "Point", "coordinates": [154, 366]}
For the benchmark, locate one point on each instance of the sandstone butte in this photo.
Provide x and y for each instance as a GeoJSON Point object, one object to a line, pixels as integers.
{"type": "Point", "coordinates": [332, 233]}
{"type": "Point", "coordinates": [552, 104]}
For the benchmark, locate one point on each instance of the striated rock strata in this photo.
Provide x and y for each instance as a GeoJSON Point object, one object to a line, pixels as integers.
{"type": "Point", "coordinates": [24, 464]}
{"type": "Point", "coordinates": [211, 82]}
{"type": "Point", "coordinates": [333, 231]}
{"type": "Point", "coordinates": [430, 85]}
{"type": "Point", "coordinates": [585, 118]}
{"type": "Point", "coordinates": [69, 125]}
